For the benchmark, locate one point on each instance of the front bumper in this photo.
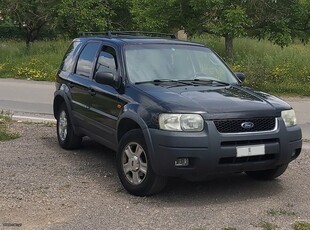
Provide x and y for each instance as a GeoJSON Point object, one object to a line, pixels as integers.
{"type": "Point", "coordinates": [211, 152]}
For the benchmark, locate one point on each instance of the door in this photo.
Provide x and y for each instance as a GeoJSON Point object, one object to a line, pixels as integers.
{"type": "Point", "coordinates": [80, 82]}
{"type": "Point", "coordinates": [105, 106]}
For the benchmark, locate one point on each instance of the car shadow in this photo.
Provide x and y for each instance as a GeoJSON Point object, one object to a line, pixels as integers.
{"type": "Point", "coordinates": [215, 190]}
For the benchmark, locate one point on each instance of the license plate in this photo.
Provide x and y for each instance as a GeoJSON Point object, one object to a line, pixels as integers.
{"type": "Point", "coordinates": [253, 150]}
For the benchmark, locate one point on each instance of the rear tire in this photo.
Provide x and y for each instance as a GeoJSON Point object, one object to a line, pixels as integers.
{"type": "Point", "coordinates": [67, 139]}
{"type": "Point", "coordinates": [134, 166]}
{"type": "Point", "coordinates": [269, 174]}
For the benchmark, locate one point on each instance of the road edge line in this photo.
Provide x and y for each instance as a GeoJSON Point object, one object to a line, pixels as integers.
{"type": "Point", "coordinates": [19, 118]}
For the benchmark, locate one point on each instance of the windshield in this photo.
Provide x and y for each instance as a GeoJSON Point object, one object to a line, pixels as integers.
{"type": "Point", "coordinates": [147, 63]}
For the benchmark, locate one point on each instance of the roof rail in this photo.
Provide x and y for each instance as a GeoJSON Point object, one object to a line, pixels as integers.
{"type": "Point", "coordinates": [112, 34]}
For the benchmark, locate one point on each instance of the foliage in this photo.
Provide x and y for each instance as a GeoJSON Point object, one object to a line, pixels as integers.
{"type": "Point", "coordinates": [277, 21]}
{"type": "Point", "coordinates": [63, 17]}
{"type": "Point", "coordinates": [39, 62]}
{"type": "Point", "coordinates": [224, 18]}
{"type": "Point", "coordinates": [30, 16]}
{"type": "Point", "coordinates": [75, 16]}
{"type": "Point", "coordinates": [11, 32]}
{"type": "Point", "coordinates": [268, 67]}
{"type": "Point", "coordinates": [161, 15]}
{"type": "Point", "coordinates": [121, 18]}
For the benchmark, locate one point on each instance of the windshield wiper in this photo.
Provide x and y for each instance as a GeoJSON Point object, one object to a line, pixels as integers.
{"type": "Point", "coordinates": [211, 81]}
{"type": "Point", "coordinates": [159, 81]}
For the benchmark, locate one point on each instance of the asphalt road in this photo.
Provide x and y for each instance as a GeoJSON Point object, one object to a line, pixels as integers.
{"type": "Point", "coordinates": [34, 99]}
{"type": "Point", "coordinates": [22, 96]}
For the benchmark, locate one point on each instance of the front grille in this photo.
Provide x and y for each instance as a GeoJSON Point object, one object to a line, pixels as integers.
{"type": "Point", "coordinates": [239, 160]}
{"type": "Point", "coordinates": [235, 125]}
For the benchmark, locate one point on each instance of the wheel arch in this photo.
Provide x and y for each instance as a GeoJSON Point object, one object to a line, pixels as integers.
{"type": "Point", "coordinates": [131, 120]}
{"type": "Point", "coordinates": [60, 98]}
{"type": "Point", "coordinates": [128, 121]}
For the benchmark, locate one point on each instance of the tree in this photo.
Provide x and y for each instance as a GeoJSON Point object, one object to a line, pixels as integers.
{"type": "Point", "coordinates": [121, 18]}
{"type": "Point", "coordinates": [271, 20]}
{"type": "Point", "coordinates": [223, 18]}
{"type": "Point", "coordinates": [300, 23]}
{"type": "Point", "coordinates": [75, 16]}
{"type": "Point", "coordinates": [277, 21]}
{"type": "Point", "coordinates": [30, 16]}
{"type": "Point", "coordinates": [161, 15]}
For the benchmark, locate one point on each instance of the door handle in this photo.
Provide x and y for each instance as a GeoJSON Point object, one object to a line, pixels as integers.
{"type": "Point", "coordinates": [92, 92]}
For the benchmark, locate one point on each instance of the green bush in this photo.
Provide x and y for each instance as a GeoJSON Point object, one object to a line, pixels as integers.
{"type": "Point", "coordinates": [11, 32]}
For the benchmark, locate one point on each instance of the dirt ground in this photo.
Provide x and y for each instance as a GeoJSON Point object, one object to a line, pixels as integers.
{"type": "Point", "coordinates": [45, 187]}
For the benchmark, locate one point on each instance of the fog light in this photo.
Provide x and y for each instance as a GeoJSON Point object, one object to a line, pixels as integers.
{"type": "Point", "coordinates": [181, 162]}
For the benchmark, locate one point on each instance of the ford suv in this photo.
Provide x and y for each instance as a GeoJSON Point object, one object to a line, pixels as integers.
{"type": "Point", "coordinates": [169, 108]}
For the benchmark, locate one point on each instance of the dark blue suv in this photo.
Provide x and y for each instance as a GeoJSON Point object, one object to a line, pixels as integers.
{"type": "Point", "coordinates": [169, 108]}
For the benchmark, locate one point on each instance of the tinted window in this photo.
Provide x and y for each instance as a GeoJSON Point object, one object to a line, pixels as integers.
{"type": "Point", "coordinates": [107, 60]}
{"type": "Point", "coordinates": [86, 59]}
{"type": "Point", "coordinates": [68, 60]}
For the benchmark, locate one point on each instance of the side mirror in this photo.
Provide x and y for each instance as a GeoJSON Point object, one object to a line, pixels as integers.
{"type": "Point", "coordinates": [107, 78]}
{"type": "Point", "coordinates": [240, 76]}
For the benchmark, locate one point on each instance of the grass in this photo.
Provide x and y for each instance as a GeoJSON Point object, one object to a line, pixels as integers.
{"type": "Point", "coordinates": [39, 62]}
{"type": "Point", "coordinates": [300, 225]}
{"type": "Point", "coordinates": [5, 134]}
{"type": "Point", "coordinates": [266, 225]}
{"type": "Point", "coordinates": [228, 228]}
{"type": "Point", "coordinates": [274, 212]}
{"type": "Point", "coordinates": [268, 67]}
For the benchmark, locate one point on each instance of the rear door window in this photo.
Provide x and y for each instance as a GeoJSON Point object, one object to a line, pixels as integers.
{"type": "Point", "coordinates": [68, 61]}
{"type": "Point", "coordinates": [86, 59]}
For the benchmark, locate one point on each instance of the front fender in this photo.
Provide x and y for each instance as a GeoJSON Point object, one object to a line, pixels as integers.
{"type": "Point", "coordinates": [132, 114]}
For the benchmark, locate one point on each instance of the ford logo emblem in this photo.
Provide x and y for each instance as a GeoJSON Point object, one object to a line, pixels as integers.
{"type": "Point", "coordinates": [247, 125]}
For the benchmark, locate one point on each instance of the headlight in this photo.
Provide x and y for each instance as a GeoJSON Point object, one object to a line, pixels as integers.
{"type": "Point", "coordinates": [181, 122]}
{"type": "Point", "coordinates": [289, 117]}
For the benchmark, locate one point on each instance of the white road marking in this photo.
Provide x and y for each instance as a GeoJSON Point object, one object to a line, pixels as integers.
{"type": "Point", "coordinates": [19, 118]}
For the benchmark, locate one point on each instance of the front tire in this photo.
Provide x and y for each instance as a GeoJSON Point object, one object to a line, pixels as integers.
{"type": "Point", "coordinates": [269, 174]}
{"type": "Point", "coordinates": [134, 166]}
{"type": "Point", "coordinates": [67, 139]}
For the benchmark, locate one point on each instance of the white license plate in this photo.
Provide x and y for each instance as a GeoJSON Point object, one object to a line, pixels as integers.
{"type": "Point", "coordinates": [253, 150]}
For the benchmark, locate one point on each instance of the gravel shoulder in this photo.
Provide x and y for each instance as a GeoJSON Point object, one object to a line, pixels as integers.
{"type": "Point", "coordinates": [45, 187]}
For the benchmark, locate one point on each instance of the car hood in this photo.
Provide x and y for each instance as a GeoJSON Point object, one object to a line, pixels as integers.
{"type": "Point", "coordinates": [215, 102]}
